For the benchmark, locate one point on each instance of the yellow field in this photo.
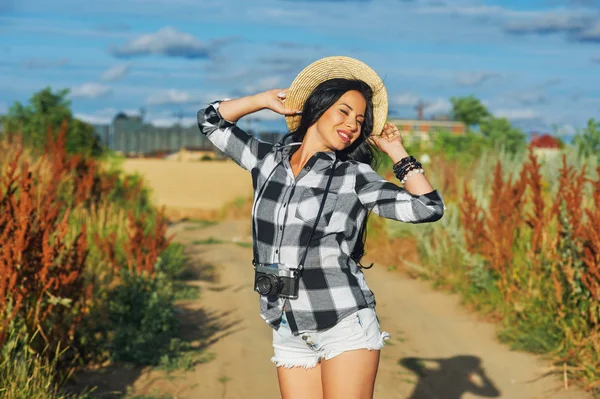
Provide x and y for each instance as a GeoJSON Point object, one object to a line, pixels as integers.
{"type": "Point", "coordinates": [192, 189]}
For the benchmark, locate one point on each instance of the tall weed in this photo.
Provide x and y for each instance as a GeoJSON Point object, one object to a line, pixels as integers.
{"type": "Point", "coordinates": [520, 241]}
{"type": "Point", "coordinates": [79, 244]}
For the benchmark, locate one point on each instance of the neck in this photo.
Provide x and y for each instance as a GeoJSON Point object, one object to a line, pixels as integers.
{"type": "Point", "coordinates": [310, 146]}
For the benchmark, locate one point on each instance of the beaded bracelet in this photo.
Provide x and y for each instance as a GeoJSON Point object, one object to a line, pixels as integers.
{"type": "Point", "coordinates": [406, 168]}
{"type": "Point", "coordinates": [403, 162]}
{"type": "Point", "coordinates": [412, 173]}
{"type": "Point", "coordinates": [401, 172]}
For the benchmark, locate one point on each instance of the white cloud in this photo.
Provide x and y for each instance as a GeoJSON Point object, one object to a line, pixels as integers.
{"type": "Point", "coordinates": [590, 34]}
{"type": "Point", "coordinates": [580, 24]}
{"type": "Point", "coordinates": [171, 96]}
{"type": "Point", "coordinates": [471, 10]}
{"type": "Point", "coordinates": [99, 117]}
{"type": "Point", "coordinates": [527, 97]}
{"type": "Point", "coordinates": [518, 114]}
{"type": "Point", "coordinates": [264, 84]}
{"type": "Point", "coordinates": [115, 73]}
{"type": "Point", "coordinates": [93, 119]}
{"type": "Point", "coordinates": [38, 63]}
{"type": "Point", "coordinates": [549, 22]}
{"type": "Point", "coordinates": [90, 90]}
{"type": "Point", "coordinates": [566, 130]}
{"type": "Point", "coordinates": [409, 99]}
{"type": "Point", "coordinates": [531, 97]}
{"type": "Point", "coordinates": [475, 78]}
{"type": "Point", "coordinates": [170, 121]}
{"type": "Point", "coordinates": [167, 41]}
{"type": "Point", "coordinates": [438, 106]}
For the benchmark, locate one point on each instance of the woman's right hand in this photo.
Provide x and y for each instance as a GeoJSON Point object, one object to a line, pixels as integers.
{"type": "Point", "coordinates": [275, 101]}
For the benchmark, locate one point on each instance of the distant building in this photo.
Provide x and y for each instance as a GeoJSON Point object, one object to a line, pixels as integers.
{"type": "Point", "coordinates": [545, 145]}
{"type": "Point", "coordinates": [102, 133]}
{"type": "Point", "coordinates": [129, 135]}
{"type": "Point", "coordinates": [544, 141]}
{"type": "Point", "coordinates": [422, 129]}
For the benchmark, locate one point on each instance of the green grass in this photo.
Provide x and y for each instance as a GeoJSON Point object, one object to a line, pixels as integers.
{"type": "Point", "coordinates": [206, 357]}
{"type": "Point", "coordinates": [185, 292]}
{"type": "Point", "coordinates": [208, 241]}
{"type": "Point", "coordinates": [25, 375]}
{"type": "Point", "coordinates": [224, 379]}
{"type": "Point", "coordinates": [183, 356]}
{"type": "Point", "coordinates": [213, 240]}
{"type": "Point", "coordinates": [199, 224]}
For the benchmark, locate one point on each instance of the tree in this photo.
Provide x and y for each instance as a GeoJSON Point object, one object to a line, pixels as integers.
{"type": "Point", "coordinates": [587, 140]}
{"type": "Point", "coordinates": [48, 110]}
{"type": "Point", "coordinates": [501, 133]}
{"type": "Point", "coordinates": [468, 110]}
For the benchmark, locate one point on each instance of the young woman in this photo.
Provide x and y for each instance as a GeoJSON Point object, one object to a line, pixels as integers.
{"type": "Point", "coordinates": [313, 192]}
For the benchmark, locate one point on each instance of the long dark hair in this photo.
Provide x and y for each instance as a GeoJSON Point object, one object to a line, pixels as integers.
{"type": "Point", "coordinates": [322, 98]}
{"type": "Point", "coordinates": [318, 102]}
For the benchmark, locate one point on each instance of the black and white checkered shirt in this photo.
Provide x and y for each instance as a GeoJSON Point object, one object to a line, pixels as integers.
{"type": "Point", "coordinates": [331, 285]}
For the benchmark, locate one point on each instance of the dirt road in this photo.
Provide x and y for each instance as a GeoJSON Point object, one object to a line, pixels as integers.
{"type": "Point", "coordinates": [437, 349]}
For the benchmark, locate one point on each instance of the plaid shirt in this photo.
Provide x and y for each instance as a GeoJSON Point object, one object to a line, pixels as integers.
{"type": "Point", "coordinates": [331, 284]}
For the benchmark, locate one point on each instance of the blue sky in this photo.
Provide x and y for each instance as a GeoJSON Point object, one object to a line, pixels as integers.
{"type": "Point", "coordinates": [536, 62]}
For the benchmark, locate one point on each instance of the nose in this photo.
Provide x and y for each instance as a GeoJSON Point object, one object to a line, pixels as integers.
{"type": "Point", "coordinates": [351, 123]}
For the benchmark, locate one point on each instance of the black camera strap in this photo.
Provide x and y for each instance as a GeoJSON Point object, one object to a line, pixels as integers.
{"type": "Point", "coordinates": [331, 171]}
{"type": "Point", "coordinates": [320, 212]}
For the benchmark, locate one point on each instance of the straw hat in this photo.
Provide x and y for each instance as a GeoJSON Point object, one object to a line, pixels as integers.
{"type": "Point", "coordinates": [336, 67]}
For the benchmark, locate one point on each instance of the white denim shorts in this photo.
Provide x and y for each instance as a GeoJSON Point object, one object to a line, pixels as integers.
{"type": "Point", "coordinates": [360, 330]}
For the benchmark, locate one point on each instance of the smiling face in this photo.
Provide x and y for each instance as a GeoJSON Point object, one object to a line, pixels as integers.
{"type": "Point", "coordinates": [341, 124]}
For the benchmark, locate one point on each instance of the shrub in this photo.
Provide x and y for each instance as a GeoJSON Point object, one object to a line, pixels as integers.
{"type": "Point", "coordinates": [142, 317]}
{"type": "Point", "coordinates": [587, 141]}
{"type": "Point", "coordinates": [172, 261]}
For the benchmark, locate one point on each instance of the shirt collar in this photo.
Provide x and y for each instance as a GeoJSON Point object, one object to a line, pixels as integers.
{"type": "Point", "coordinates": [287, 145]}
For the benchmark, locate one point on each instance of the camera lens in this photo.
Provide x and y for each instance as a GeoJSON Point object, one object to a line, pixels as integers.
{"type": "Point", "coordinates": [266, 285]}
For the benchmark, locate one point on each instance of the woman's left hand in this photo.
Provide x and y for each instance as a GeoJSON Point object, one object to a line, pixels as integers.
{"type": "Point", "coordinates": [389, 141]}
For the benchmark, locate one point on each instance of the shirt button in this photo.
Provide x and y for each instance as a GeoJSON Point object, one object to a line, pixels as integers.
{"type": "Point", "coordinates": [276, 251]}
{"type": "Point", "coordinates": [307, 168]}
{"type": "Point", "coordinates": [284, 205]}
{"type": "Point", "coordinates": [280, 227]}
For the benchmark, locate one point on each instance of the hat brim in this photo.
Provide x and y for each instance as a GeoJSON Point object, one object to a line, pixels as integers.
{"type": "Point", "coordinates": [336, 67]}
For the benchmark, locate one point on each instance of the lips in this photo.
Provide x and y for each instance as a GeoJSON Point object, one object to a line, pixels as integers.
{"type": "Point", "coordinates": [344, 136]}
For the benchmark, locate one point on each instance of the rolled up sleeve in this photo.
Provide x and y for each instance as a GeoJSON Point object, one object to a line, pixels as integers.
{"type": "Point", "coordinates": [241, 147]}
{"type": "Point", "coordinates": [393, 202]}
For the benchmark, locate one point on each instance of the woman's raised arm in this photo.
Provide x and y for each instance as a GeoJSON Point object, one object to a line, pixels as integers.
{"type": "Point", "coordinates": [233, 110]}
{"type": "Point", "coordinates": [417, 202]}
{"type": "Point", "coordinates": [218, 123]}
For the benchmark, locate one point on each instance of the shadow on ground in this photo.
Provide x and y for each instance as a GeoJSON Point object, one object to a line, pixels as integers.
{"type": "Point", "coordinates": [449, 378]}
{"type": "Point", "coordinates": [199, 328]}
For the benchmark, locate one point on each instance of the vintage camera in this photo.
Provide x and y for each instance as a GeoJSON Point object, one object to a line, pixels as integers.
{"type": "Point", "coordinates": [276, 279]}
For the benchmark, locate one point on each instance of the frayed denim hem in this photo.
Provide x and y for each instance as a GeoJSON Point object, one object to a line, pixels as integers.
{"type": "Point", "coordinates": [307, 364]}
{"type": "Point", "coordinates": [381, 343]}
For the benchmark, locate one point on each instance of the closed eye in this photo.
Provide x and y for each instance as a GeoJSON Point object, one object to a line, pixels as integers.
{"type": "Point", "coordinates": [343, 111]}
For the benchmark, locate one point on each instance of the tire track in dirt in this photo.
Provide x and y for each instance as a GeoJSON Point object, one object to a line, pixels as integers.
{"type": "Point", "coordinates": [437, 350]}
